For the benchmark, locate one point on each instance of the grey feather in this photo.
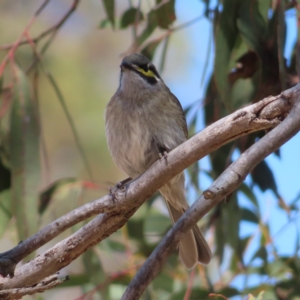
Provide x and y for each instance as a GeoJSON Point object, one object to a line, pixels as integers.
{"type": "Point", "coordinates": [144, 119]}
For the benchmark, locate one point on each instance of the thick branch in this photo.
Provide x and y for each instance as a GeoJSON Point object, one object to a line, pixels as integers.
{"type": "Point", "coordinates": [46, 284]}
{"type": "Point", "coordinates": [227, 182]}
{"type": "Point", "coordinates": [252, 118]}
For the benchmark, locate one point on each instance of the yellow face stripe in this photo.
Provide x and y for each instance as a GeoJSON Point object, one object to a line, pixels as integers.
{"type": "Point", "coordinates": [149, 73]}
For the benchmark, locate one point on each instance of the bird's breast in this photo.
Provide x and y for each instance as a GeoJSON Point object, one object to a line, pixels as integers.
{"type": "Point", "coordinates": [128, 137]}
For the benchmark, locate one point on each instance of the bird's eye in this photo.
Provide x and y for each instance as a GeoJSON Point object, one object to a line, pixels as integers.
{"type": "Point", "coordinates": [151, 68]}
{"type": "Point", "coordinates": [145, 68]}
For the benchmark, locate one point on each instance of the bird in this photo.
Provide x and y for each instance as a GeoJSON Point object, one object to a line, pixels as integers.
{"type": "Point", "coordinates": [143, 122]}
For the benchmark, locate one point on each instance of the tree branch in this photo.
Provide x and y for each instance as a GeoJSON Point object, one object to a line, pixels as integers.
{"type": "Point", "coordinates": [262, 115]}
{"type": "Point", "coordinates": [45, 284]}
{"type": "Point", "coordinates": [227, 182]}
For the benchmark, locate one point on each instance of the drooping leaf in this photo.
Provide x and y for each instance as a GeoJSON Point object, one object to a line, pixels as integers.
{"type": "Point", "coordinates": [160, 16]}
{"type": "Point", "coordinates": [229, 292]}
{"type": "Point", "coordinates": [165, 13]}
{"type": "Point", "coordinates": [130, 17]}
{"type": "Point", "coordinates": [225, 38]}
{"type": "Point", "coordinates": [262, 175]}
{"type": "Point", "coordinates": [24, 156]}
{"type": "Point", "coordinates": [109, 6]}
{"type": "Point", "coordinates": [196, 294]}
{"type": "Point", "coordinates": [249, 194]}
{"type": "Point", "coordinates": [251, 25]}
{"type": "Point", "coordinates": [261, 253]}
{"type": "Point", "coordinates": [104, 23]}
{"type": "Point", "coordinates": [231, 217]}
{"type": "Point", "coordinates": [220, 234]}
{"type": "Point", "coordinates": [150, 48]}
{"type": "Point", "coordinates": [281, 33]}
{"type": "Point", "coordinates": [265, 234]}
{"type": "Point", "coordinates": [264, 7]}
{"type": "Point", "coordinates": [5, 209]}
{"type": "Point", "coordinates": [249, 215]}
{"type": "Point", "coordinates": [5, 175]}
{"type": "Point", "coordinates": [220, 159]}
{"type": "Point", "coordinates": [150, 27]}
{"type": "Point", "coordinates": [5, 99]}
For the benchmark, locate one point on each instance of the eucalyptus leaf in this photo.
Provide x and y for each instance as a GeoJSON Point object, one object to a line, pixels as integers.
{"type": "Point", "coordinates": [24, 156]}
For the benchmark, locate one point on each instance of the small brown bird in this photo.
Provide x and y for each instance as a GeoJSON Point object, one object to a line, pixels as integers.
{"type": "Point", "coordinates": [144, 120]}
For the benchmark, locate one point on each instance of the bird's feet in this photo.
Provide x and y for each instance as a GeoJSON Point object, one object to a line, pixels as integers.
{"type": "Point", "coordinates": [119, 186]}
{"type": "Point", "coordinates": [164, 155]}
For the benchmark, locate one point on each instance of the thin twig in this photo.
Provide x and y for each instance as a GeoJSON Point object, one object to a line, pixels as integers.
{"type": "Point", "coordinates": [15, 45]}
{"type": "Point", "coordinates": [190, 286]}
{"type": "Point", "coordinates": [47, 31]}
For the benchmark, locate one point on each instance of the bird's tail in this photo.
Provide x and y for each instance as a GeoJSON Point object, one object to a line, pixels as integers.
{"type": "Point", "coordinates": [193, 247]}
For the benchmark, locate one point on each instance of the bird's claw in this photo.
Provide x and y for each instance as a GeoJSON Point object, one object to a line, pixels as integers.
{"type": "Point", "coordinates": [164, 155]}
{"type": "Point", "coordinates": [119, 186]}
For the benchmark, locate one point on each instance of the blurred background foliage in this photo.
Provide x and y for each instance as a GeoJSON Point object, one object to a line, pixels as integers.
{"type": "Point", "coordinates": [53, 154]}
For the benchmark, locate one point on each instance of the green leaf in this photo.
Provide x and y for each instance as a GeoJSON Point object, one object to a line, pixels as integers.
{"type": "Point", "coordinates": [150, 48]}
{"type": "Point", "coordinates": [220, 159]}
{"type": "Point", "coordinates": [261, 253]}
{"type": "Point", "coordinates": [165, 13]}
{"type": "Point", "coordinates": [251, 25]}
{"type": "Point", "coordinates": [214, 108]}
{"type": "Point", "coordinates": [231, 217]}
{"type": "Point", "coordinates": [196, 294]}
{"type": "Point", "coordinates": [104, 23]}
{"type": "Point", "coordinates": [109, 6]}
{"type": "Point", "coordinates": [5, 210]}
{"type": "Point", "coordinates": [244, 188]}
{"type": "Point", "coordinates": [24, 156]}
{"type": "Point", "coordinates": [229, 292]}
{"type": "Point", "coordinates": [281, 34]}
{"type": "Point", "coordinates": [193, 172]}
{"type": "Point", "coordinates": [244, 90]}
{"type": "Point", "coordinates": [161, 17]}
{"type": "Point", "coordinates": [249, 215]}
{"type": "Point", "coordinates": [5, 181]}
{"type": "Point", "coordinates": [264, 7]}
{"type": "Point", "coordinates": [262, 175]}
{"type": "Point", "coordinates": [225, 38]}
{"type": "Point", "coordinates": [151, 25]}
{"type": "Point", "coordinates": [130, 17]}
